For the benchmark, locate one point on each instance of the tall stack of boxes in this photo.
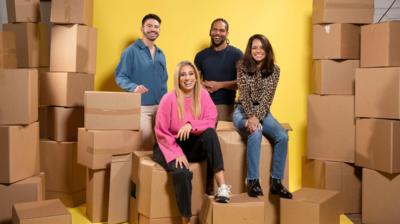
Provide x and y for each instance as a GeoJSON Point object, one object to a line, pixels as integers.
{"type": "Point", "coordinates": [20, 178]}
{"type": "Point", "coordinates": [329, 165]}
{"type": "Point", "coordinates": [378, 121]}
{"type": "Point", "coordinates": [72, 70]}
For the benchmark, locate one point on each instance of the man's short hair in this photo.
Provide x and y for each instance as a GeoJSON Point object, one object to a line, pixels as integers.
{"type": "Point", "coordinates": [151, 16]}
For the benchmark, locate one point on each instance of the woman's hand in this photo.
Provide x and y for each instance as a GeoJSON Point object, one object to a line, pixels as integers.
{"type": "Point", "coordinates": [181, 162]}
{"type": "Point", "coordinates": [253, 124]}
{"type": "Point", "coordinates": [184, 132]}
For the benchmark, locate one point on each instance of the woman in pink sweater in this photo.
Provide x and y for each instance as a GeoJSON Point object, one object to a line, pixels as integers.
{"type": "Point", "coordinates": [185, 133]}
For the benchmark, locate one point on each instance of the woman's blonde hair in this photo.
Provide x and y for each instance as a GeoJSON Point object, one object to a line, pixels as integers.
{"type": "Point", "coordinates": [196, 105]}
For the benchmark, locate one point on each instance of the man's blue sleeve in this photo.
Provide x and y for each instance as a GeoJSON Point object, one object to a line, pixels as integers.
{"type": "Point", "coordinates": [123, 72]}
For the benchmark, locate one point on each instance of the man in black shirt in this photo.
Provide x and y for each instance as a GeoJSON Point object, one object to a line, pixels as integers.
{"type": "Point", "coordinates": [217, 65]}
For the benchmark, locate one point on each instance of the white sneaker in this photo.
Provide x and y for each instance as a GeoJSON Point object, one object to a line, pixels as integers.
{"type": "Point", "coordinates": [223, 194]}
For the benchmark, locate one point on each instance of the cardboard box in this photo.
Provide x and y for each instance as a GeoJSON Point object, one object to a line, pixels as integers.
{"type": "Point", "coordinates": [377, 93]}
{"type": "Point", "coordinates": [155, 193]}
{"type": "Point", "coordinates": [241, 209]}
{"type": "Point", "coordinates": [96, 147]}
{"type": "Point", "coordinates": [331, 128]}
{"type": "Point", "coordinates": [63, 123]}
{"type": "Point", "coordinates": [97, 194]}
{"type": "Point", "coordinates": [343, 11]}
{"type": "Point", "coordinates": [23, 11]}
{"type": "Point", "coordinates": [118, 202]}
{"type": "Point", "coordinates": [44, 212]}
{"type": "Point", "coordinates": [112, 110]}
{"type": "Point", "coordinates": [334, 77]}
{"type": "Point", "coordinates": [379, 45]}
{"type": "Point", "coordinates": [170, 220]}
{"type": "Point", "coordinates": [73, 49]}
{"type": "Point", "coordinates": [8, 50]}
{"type": "Point", "coordinates": [43, 122]}
{"type": "Point", "coordinates": [311, 206]}
{"type": "Point", "coordinates": [32, 44]}
{"type": "Point", "coordinates": [31, 189]}
{"type": "Point", "coordinates": [18, 96]}
{"type": "Point", "coordinates": [380, 197]}
{"type": "Point", "coordinates": [72, 11]}
{"type": "Point", "coordinates": [336, 41]}
{"type": "Point", "coordinates": [59, 161]}
{"type": "Point", "coordinates": [68, 199]}
{"type": "Point", "coordinates": [19, 152]}
{"type": "Point", "coordinates": [64, 88]}
{"type": "Point", "coordinates": [338, 176]}
{"type": "Point", "coordinates": [377, 144]}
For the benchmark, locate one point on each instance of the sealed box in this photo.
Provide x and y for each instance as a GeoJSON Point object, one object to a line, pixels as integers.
{"type": "Point", "coordinates": [380, 197]}
{"type": "Point", "coordinates": [59, 161]}
{"type": "Point", "coordinates": [379, 45]}
{"type": "Point", "coordinates": [343, 11]}
{"type": "Point", "coordinates": [19, 152]}
{"type": "Point", "coordinates": [311, 206]}
{"type": "Point", "coordinates": [18, 96]}
{"type": "Point", "coordinates": [97, 194]}
{"type": "Point", "coordinates": [336, 41]}
{"type": "Point", "coordinates": [112, 110]}
{"type": "Point", "coordinates": [73, 49]}
{"type": "Point", "coordinates": [377, 93]}
{"type": "Point", "coordinates": [8, 50]}
{"type": "Point", "coordinates": [72, 11]}
{"type": "Point", "coordinates": [43, 212]}
{"type": "Point", "coordinates": [63, 123]}
{"type": "Point", "coordinates": [64, 89]}
{"type": "Point", "coordinates": [20, 11]}
{"type": "Point", "coordinates": [334, 77]}
{"type": "Point", "coordinates": [378, 145]}
{"type": "Point", "coordinates": [331, 128]}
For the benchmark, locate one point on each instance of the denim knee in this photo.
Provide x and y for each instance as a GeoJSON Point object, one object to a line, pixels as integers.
{"type": "Point", "coordinates": [282, 136]}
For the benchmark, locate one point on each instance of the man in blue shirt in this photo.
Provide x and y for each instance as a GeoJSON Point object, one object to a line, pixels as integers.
{"type": "Point", "coordinates": [142, 69]}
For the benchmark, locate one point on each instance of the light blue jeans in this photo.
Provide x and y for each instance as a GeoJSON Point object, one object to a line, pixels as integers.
{"type": "Point", "coordinates": [277, 136]}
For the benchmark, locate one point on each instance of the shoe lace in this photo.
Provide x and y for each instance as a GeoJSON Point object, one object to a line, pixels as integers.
{"type": "Point", "coordinates": [224, 189]}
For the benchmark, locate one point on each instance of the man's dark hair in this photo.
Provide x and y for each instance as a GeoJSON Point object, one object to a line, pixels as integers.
{"type": "Point", "coordinates": [220, 20]}
{"type": "Point", "coordinates": [151, 16]}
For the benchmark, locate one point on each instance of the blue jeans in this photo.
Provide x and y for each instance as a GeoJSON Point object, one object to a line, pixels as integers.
{"type": "Point", "coordinates": [277, 136]}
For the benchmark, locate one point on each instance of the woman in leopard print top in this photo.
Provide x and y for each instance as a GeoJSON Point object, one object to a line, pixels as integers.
{"type": "Point", "coordinates": [258, 77]}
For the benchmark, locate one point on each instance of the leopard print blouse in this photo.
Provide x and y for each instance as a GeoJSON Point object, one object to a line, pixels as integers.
{"type": "Point", "coordinates": [253, 89]}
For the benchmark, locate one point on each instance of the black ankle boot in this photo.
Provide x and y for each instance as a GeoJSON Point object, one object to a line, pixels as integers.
{"type": "Point", "coordinates": [277, 188]}
{"type": "Point", "coordinates": [253, 188]}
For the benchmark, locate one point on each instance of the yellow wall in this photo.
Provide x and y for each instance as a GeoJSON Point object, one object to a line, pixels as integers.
{"type": "Point", "coordinates": [184, 31]}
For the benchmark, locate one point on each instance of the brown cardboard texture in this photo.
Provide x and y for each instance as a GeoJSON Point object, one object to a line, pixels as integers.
{"type": "Point", "coordinates": [72, 11]}
{"type": "Point", "coordinates": [338, 176]}
{"type": "Point", "coordinates": [331, 128]}
{"type": "Point", "coordinates": [170, 220]}
{"type": "Point", "coordinates": [43, 121]}
{"type": "Point", "coordinates": [112, 110]}
{"type": "Point", "coordinates": [311, 206]}
{"type": "Point", "coordinates": [18, 96]}
{"type": "Point", "coordinates": [97, 194]}
{"type": "Point", "coordinates": [30, 189]}
{"type": "Point", "coordinates": [43, 212]}
{"type": "Point", "coordinates": [118, 204]}
{"type": "Point", "coordinates": [64, 123]}
{"type": "Point", "coordinates": [336, 41]}
{"type": "Point", "coordinates": [334, 77]}
{"type": "Point", "coordinates": [343, 11]}
{"type": "Point", "coordinates": [64, 89]}
{"type": "Point", "coordinates": [96, 147]}
{"type": "Point", "coordinates": [32, 44]}
{"type": "Point", "coordinates": [379, 45]}
{"type": "Point", "coordinates": [136, 156]}
{"type": "Point", "coordinates": [8, 50]}
{"type": "Point", "coordinates": [68, 199]}
{"type": "Point", "coordinates": [23, 11]}
{"type": "Point", "coordinates": [59, 161]}
{"type": "Point", "coordinates": [241, 209]}
{"type": "Point", "coordinates": [380, 197]}
{"type": "Point", "coordinates": [19, 152]}
{"type": "Point", "coordinates": [73, 49]}
{"type": "Point", "coordinates": [377, 92]}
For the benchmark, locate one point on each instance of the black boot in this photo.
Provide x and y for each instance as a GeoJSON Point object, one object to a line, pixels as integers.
{"type": "Point", "coordinates": [254, 188]}
{"type": "Point", "coordinates": [277, 188]}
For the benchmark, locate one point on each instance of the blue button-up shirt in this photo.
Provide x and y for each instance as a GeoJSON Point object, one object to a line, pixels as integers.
{"type": "Point", "coordinates": [137, 67]}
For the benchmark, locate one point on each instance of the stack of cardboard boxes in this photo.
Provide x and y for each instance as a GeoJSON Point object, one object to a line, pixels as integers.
{"type": "Point", "coordinates": [20, 51]}
{"type": "Point", "coordinates": [378, 125]}
{"type": "Point", "coordinates": [331, 121]}
{"type": "Point", "coordinates": [72, 70]}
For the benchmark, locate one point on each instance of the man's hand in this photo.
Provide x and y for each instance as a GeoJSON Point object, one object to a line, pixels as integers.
{"type": "Point", "coordinates": [184, 132]}
{"type": "Point", "coordinates": [181, 161]}
{"type": "Point", "coordinates": [140, 89]}
{"type": "Point", "coordinates": [211, 86]}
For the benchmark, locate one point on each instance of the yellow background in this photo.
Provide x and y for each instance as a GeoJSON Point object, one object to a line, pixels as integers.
{"type": "Point", "coordinates": [184, 31]}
